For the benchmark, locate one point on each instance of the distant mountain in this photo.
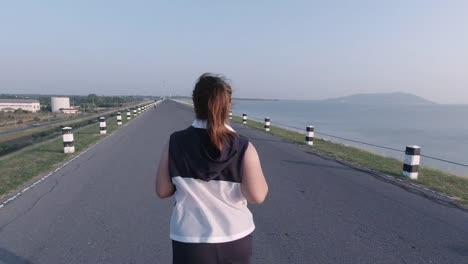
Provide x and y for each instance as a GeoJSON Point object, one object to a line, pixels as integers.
{"type": "Point", "coordinates": [253, 99]}
{"type": "Point", "coordinates": [381, 98]}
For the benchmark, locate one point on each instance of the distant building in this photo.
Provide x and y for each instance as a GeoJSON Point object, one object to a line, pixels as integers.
{"type": "Point", "coordinates": [69, 110]}
{"type": "Point", "coordinates": [58, 103]}
{"type": "Point", "coordinates": [10, 105]}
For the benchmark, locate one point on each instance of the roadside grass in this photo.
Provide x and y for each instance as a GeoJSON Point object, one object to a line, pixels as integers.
{"type": "Point", "coordinates": [65, 122]}
{"type": "Point", "coordinates": [21, 120]}
{"type": "Point", "coordinates": [15, 170]}
{"type": "Point", "coordinates": [434, 179]}
{"type": "Point", "coordinates": [18, 134]}
{"type": "Point", "coordinates": [16, 141]}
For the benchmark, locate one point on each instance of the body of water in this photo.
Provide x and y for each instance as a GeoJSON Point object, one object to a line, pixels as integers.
{"type": "Point", "coordinates": [440, 130]}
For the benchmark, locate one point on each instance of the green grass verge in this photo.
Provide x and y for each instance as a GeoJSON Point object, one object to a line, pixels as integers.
{"type": "Point", "coordinates": [64, 122]}
{"type": "Point", "coordinates": [17, 169]}
{"type": "Point", "coordinates": [32, 130]}
{"type": "Point", "coordinates": [434, 179]}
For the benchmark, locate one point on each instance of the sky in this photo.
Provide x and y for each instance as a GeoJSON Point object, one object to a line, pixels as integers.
{"type": "Point", "coordinates": [267, 49]}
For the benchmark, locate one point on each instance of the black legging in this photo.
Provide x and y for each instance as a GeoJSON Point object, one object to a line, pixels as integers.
{"type": "Point", "coordinates": [235, 252]}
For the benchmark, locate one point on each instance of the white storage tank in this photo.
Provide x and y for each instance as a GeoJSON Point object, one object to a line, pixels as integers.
{"type": "Point", "coordinates": [59, 102]}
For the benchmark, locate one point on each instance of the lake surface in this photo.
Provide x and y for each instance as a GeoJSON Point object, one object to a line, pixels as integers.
{"type": "Point", "coordinates": [440, 130]}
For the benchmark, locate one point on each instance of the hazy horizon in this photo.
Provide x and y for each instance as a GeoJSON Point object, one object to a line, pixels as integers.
{"type": "Point", "coordinates": [301, 50]}
{"type": "Point", "coordinates": [244, 98]}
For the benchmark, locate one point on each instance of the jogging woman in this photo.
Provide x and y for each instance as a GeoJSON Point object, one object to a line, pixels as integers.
{"type": "Point", "coordinates": [213, 173]}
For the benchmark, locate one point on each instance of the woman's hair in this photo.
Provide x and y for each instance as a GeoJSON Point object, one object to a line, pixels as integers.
{"type": "Point", "coordinates": [212, 99]}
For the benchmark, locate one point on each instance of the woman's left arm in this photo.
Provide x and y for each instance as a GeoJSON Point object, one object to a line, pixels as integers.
{"type": "Point", "coordinates": [164, 186]}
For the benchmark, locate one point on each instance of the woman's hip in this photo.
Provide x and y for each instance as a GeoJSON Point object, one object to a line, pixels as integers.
{"type": "Point", "coordinates": [237, 251]}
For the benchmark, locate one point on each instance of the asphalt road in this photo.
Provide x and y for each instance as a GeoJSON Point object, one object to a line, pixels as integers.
{"type": "Point", "coordinates": [101, 208]}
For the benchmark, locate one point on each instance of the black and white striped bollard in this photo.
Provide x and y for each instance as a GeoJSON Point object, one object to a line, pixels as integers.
{"type": "Point", "coordinates": [412, 161]}
{"type": "Point", "coordinates": [310, 135]}
{"type": "Point", "coordinates": [119, 119]}
{"type": "Point", "coordinates": [68, 140]}
{"type": "Point", "coordinates": [102, 125]}
{"type": "Point", "coordinates": [129, 115]}
{"type": "Point", "coordinates": [267, 124]}
{"type": "Point", "coordinates": [134, 112]}
{"type": "Point", "coordinates": [230, 114]}
{"type": "Point", "coordinates": [244, 118]}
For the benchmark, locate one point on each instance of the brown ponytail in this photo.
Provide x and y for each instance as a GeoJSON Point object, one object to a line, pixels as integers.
{"type": "Point", "coordinates": [212, 98]}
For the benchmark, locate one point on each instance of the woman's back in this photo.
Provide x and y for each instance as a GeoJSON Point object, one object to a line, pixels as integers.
{"type": "Point", "coordinates": [210, 206]}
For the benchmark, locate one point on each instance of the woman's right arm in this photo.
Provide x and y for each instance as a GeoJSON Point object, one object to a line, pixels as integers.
{"type": "Point", "coordinates": [253, 185]}
{"type": "Point", "coordinates": [164, 186]}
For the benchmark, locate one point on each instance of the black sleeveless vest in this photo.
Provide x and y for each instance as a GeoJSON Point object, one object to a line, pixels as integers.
{"type": "Point", "coordinates": [192, 155]}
